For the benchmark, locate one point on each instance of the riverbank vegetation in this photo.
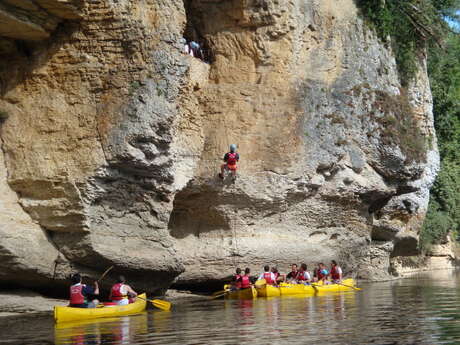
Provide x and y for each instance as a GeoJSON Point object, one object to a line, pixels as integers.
{"type": "Point", "coordinates": [444, 210]}
{"type": "Point", "coordinates": [413, 28]}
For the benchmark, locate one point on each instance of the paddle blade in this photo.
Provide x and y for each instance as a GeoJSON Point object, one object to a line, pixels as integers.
{"type": "Point", "coordinates": [260, 283]}
{"type": "Point", "coordinates": [218, 293]}
{"type": "Point", "coordinates": [221, 295]}
{"type": "Point", "coordinates": [163, 305]}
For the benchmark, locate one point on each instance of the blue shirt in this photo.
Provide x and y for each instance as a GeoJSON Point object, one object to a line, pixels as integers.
{"type": "Point", "coordinates": [87, 291]}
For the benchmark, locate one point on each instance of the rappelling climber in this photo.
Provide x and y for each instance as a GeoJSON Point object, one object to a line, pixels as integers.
{"type": "Point", "coordinates": [230, 159]}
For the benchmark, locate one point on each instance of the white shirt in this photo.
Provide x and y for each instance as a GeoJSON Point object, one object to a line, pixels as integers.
{"type": "Point", "coordinates": [272, 276]}
{"type": "Point", "coordinates": [306, 275]}
{"type": "Point", "coordinates": [124, 290]}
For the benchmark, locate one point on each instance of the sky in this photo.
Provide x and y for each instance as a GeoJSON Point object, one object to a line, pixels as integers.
{"type": "Point", "coordinates": [454, 24]}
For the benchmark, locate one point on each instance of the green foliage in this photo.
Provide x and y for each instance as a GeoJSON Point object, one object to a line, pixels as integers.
{"type": "Point", "coordinates": [135, 85]}
{"type": "Point", "coordinates": [443, 215]}
{"type": "Point", "coordinates": [444, 71]}
{"type": "Point", "coordinates": [408, 25]}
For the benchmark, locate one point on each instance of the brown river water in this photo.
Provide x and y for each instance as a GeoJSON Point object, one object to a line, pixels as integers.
{"type": "Point", "coordinates": [420, 310]}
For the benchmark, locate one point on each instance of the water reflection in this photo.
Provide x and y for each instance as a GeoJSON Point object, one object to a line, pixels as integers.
{"type": "Point", "coordinates": [119, 330]}
{"type": "Point", "coordinates": [422, 311]}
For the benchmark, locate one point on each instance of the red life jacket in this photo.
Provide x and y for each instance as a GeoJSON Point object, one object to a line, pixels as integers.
{"type": "Point", "coordinates": [245, 282]}
{"type": "Point", "coordinates": [268, 278]}
{"type": "Point", "coordinates": [334, 273]}
{"type": "Point", "coordinates": [76, 295]}
{"type": "Point", "coordinates": [300, 275]}
{"type": "Point", "coordinates": [116, 292]}
{"type": "Point", "coordinates": [277, 274]}
{"type": "Point", "coordinates": [231, 158]}
{"type": "Point", "coordinates": [238, 281]}
{"type": "Point", "coordinates": [319, 274]}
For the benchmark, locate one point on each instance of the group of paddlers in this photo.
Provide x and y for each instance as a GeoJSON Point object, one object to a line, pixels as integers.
{"type": "Point", "coordinates": [296, 276]}
{"type": "Point", "coordinates": [84, 296]}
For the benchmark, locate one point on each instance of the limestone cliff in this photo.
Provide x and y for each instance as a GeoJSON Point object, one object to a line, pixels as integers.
{"type": "Point", "coordinates": [113, 138]}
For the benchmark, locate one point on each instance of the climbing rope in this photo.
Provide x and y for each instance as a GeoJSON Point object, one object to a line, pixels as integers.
{"type": "Point", "coordinates": [234, 242]}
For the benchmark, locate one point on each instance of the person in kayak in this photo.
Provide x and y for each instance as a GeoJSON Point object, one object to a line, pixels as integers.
{"type": "Point", "coordinates": [81, 295]}
{"type": "Point", "coordinates": [279, 278]}
{"type": "Point", "coordinates": [303, 276]}
{"type": "Point", "coordinates": [292, 276]}
{"type": "Point", "coordinates": [245, 280]}
{"type": "Point", "coordinates": [230, 159]}
{"type": "Point", "coordinates": [268, 276]}
{"type": "Point", "coordinates": [336, 272]}
{"type": "Point", "coordinates": [321, 273]}
{"type": "Point", "coordinates": [236, 282]}
{"type": "Point", "coordinates": [121, 293]}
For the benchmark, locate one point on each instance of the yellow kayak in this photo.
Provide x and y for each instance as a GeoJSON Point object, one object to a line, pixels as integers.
{"type": "Point", "coordinates": [249, 293]}
{"type": "Point", "coordinates": [65, 314]}
{"type": "Point", "coordinates": [288, 289]}
{"type": "Point", "coordinates": [268, 291]}
{"type": "Point", "coordinates": [320, 287]}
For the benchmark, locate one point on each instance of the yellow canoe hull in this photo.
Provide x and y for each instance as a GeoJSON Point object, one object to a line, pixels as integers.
{"type": "Point", "coordinates": [268, 291]}
{"type": "Point", "coordinates": [320, 288]}
{"type": "Point", "coordinates": [66, 314]}
{"type": "Point", "coordinates": [250, 293]}
{"type": "Point", "coordinates": [288, 289]}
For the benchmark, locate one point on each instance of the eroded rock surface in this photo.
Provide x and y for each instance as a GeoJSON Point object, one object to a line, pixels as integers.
{"type": "Point", "coordinates": [114, 138]}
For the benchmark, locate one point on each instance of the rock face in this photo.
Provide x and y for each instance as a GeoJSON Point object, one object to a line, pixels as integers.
{"type": "Point", "coordinates": [114, 137]}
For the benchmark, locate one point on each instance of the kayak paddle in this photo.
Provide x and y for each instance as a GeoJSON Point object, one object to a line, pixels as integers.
{"type": "Point", "coordinates": [163, 305]}
{"type": "Point", "coordinates": [219, 294]}
{"type": "Point", "coordinates": [104, 274]}
{"type": "Point", "coordinates": [349, 286]}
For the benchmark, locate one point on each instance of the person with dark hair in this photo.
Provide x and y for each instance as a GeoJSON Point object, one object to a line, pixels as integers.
{"type": "Point", "coordinates": [268, 276]}
{"type": "Point", "coordinates": [291, 276]}
{"type": "Point", "coordinates": [121, 293]}
{"type": "Point", "coordinates": [303, 276]}
{"type": "Point", "coordinates": [336, 272]}
{"type": "Point", "coordinates": [245, 280]}
{"type": "Point", "coordinates": [236, 279]}
{"type": "Point", "coordinates": [321, 273]}
{"type": "Point", "coordinates": [81, 295]}
{"type": "Point", "coordinates": [279, 278]}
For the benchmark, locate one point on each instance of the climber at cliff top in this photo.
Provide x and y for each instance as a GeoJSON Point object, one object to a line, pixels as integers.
{"type": "Point", "coordinates": [230, 159]}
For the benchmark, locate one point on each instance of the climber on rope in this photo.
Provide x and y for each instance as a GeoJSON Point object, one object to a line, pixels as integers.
{"type": "Point", "coordinates": [230, 159]}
